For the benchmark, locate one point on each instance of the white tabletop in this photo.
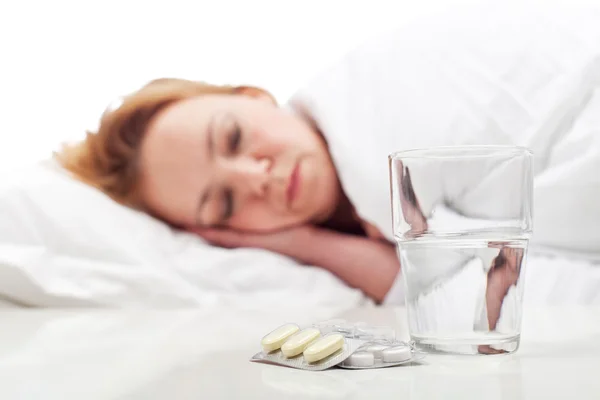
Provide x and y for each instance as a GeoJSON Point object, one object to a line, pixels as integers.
{"type": "Point", "coordinates": [204, 354]}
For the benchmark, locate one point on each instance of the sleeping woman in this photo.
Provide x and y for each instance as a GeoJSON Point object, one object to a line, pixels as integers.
{"type": "Point", "coordinates": [231, 165]}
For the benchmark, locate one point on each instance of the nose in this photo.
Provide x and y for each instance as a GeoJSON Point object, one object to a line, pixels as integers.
{"type": "Point", "coordinates": [250, 175]}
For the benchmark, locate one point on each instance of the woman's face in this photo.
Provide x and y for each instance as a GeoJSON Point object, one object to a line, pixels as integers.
{"type": "Point", "coordinates": [236, 161]}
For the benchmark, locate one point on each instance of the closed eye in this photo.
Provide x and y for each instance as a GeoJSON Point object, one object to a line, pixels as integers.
{"type": "Point", "coordinates": [235, 138]}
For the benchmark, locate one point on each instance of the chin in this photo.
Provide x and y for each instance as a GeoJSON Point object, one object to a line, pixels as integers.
{"type": "Point", "coordinates": [329, 208]}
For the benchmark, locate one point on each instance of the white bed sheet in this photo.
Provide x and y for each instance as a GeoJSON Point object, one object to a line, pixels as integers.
{"type": "Point", "coordinates": [65, 244]}
{"type": "Point", "coordinates": [550, 281]}
{"type": "Point", "coordinates": [556, 280]}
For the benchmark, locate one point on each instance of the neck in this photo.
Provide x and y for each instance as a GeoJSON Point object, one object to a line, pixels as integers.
{"type": "Point", "coordinates": [343, 218]}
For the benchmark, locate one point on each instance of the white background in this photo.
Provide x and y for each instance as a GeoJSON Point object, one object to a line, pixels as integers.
{"type": "Point", "coordinates": [63, 61]}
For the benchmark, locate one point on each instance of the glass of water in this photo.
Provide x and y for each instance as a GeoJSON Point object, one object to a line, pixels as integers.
{"type": "Point", "coordinates": [462, 219]}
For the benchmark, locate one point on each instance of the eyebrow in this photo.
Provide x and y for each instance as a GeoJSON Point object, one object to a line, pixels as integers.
{"type": "Point", "coordinates": [211, 153]}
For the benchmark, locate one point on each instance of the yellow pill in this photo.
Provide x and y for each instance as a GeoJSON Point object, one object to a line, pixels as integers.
{"type": "Point", "coordinates": [324, 347]}
{"type": "Point", "coordinates": [299, 342]}
{"type": "Point", "coordinates": [273, 340]}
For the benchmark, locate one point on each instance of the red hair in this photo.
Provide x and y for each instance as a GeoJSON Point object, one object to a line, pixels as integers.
{"type": "Point", "coordinates": [106, 159]}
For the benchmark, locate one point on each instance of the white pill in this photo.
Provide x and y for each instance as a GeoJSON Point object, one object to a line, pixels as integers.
{"type": "Point", "coordinates": [376, 349]}
{"type": "Point", "coordinates": [396, 354]}
{"type": "Point", "coordinates": [273, 340]}
{"type": "Point", "coordinates": [360, 359]}
{"type": "Point", "coordinates": [324, 347]}
{"type": "Point", "coordinates": [299, 342]}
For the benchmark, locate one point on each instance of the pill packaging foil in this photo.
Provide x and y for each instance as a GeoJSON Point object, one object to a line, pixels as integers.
{"type": "Point", "coordinates": [371, 335]}
{"type": "Point", "coordinates": [298, 362]}
{"type": "Point", "coordinates": [376, 360]}
{"type": "Point", "coordinates": [358, 337]}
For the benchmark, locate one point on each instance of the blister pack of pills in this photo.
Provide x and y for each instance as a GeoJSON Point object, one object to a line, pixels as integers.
{"type": "Point", "coordinates": [381, 354]}
{"type": "Point", "coordinates": [334, 343]}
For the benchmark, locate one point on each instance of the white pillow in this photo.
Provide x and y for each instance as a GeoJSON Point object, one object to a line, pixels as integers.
{"type": "Point", "coordinates": [64, 243]}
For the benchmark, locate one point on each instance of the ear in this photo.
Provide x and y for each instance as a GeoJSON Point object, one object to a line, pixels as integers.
{"type": "Point", "coordinates": [256, 93]}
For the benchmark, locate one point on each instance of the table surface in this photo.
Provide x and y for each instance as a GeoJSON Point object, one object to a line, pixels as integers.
{"type": "Point", "coordinates": [204, 354]}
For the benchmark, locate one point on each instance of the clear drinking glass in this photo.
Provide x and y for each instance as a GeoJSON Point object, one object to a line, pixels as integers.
{"type": "Point", "coordinates": [462, 219]}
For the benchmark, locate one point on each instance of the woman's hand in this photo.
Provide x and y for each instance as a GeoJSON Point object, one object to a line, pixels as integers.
{"type": "Point", "coordinates": [288, 242]}
{"type": "Point", "coordinates": [367, 264]}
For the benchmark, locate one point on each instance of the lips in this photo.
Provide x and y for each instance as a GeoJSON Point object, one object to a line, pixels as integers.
{"type": "Point", "coordinates": [293, 185]}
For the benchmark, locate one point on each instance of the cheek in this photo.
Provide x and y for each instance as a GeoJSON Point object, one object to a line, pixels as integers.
{"type": "Point", "coordinates": [274, 135]}
{"type": "Point", "coordinates": [267, 143]}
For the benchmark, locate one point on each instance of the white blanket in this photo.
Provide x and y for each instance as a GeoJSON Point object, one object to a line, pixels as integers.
{"type": "Point", "coordinates": [488, 76]}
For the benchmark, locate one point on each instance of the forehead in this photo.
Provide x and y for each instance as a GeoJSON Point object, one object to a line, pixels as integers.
{"type": "Point", "coordinates": [174, 162]}
{"type": "Point", "coordinates": [176, 116]}
{"type": "Point", "coordinates": [195, 113]}
{"type": "Point", "coordinates": [179, 129]}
